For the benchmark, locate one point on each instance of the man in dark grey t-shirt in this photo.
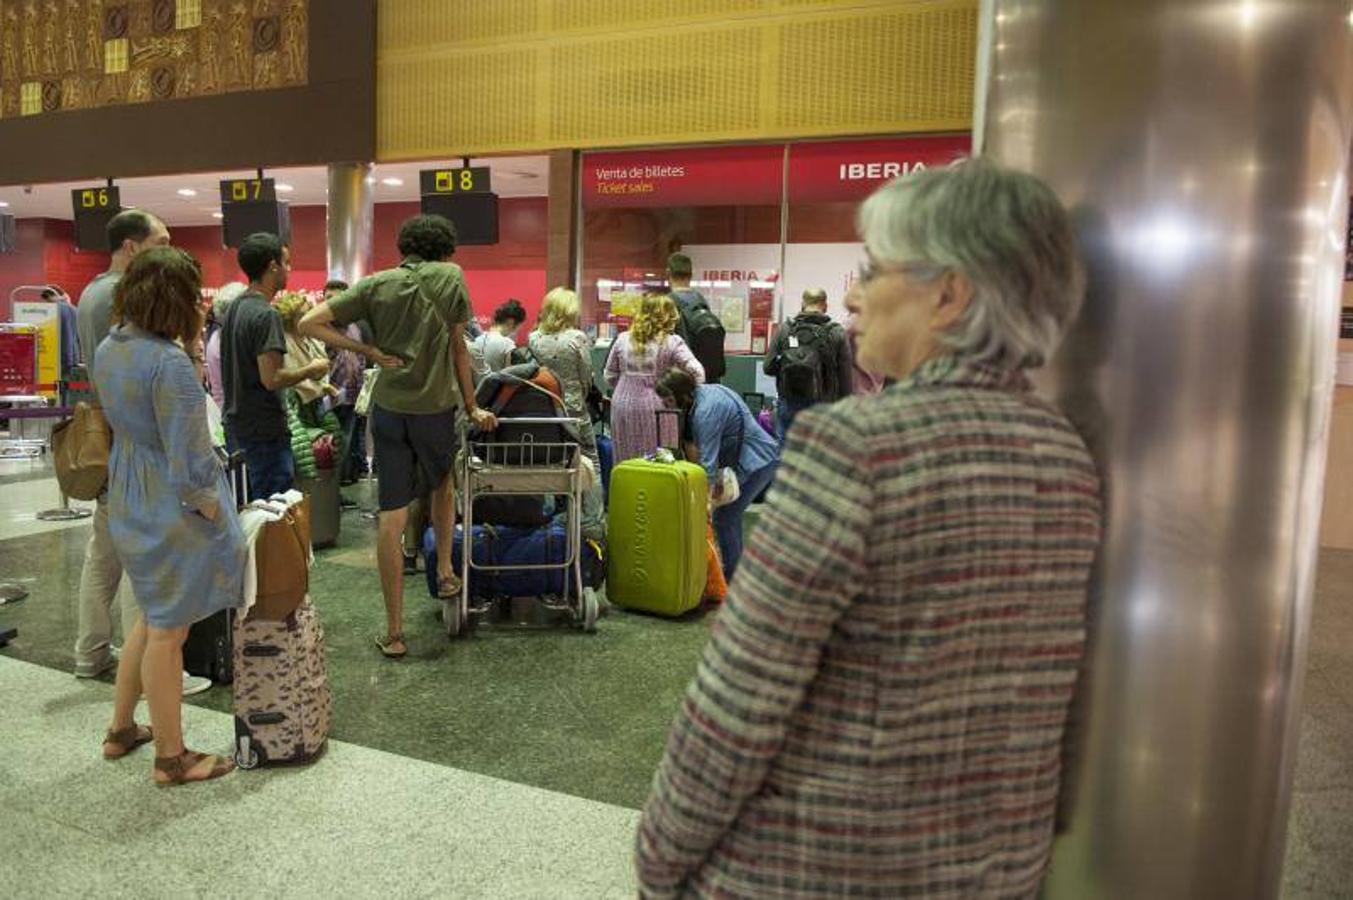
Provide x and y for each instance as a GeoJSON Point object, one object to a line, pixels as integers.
{"type": "Point", "coordinates": [253, 345]}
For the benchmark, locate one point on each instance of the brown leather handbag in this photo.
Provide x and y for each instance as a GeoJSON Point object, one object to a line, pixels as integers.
{"type": "Point", "coordinates": [281, 558]}
{"type": "Point", "coordinates": [80, 447]}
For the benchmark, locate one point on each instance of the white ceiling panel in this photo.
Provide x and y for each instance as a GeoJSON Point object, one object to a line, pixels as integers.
{"type": "Point", "coordinates": [513, 176]}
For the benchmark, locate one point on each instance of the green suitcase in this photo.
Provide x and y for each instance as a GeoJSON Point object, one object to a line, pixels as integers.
{"type": "Point", "coordinates": [656, 536]}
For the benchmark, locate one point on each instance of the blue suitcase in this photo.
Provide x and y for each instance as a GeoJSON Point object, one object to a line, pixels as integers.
{"type": "Point", "coordinates": [507, 545]}
{"type": "Point", "coordinates": [606, 454]}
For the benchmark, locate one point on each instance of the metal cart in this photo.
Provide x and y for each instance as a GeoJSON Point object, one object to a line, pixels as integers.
{"type": "Point", "coordinates": [522, 468]}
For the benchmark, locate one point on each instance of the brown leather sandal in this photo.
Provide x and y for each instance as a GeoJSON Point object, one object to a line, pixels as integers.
{"type": "Point", "coordinates": [448, 588]}
{"type": "Point", "coordinates": [117, 744]}
{"type": "Point", "coordinates": [387, 643]}
{"type": "Point", "coordinates": [177, 767]}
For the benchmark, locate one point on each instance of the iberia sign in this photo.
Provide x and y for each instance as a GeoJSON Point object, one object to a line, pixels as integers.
{"type": "Point", "coordinates": [832, 171]}
{"type": "Point", "coordinates": [754, 175]}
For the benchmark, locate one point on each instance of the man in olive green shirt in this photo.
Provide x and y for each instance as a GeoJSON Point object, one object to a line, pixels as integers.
{"type": "Point", "coordinates": [417, 312]}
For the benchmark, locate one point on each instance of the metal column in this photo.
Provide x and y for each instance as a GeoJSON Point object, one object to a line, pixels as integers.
{"type": "Point", "coordinates": [1203, 148]}
{"type": "Point", "coordinates": [350, 216]}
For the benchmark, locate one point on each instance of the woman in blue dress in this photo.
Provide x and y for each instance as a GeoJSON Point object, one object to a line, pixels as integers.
{"type": "Point", "coordinates": [170, 512]}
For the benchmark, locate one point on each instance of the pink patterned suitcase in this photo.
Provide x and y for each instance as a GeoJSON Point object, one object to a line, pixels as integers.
{"type": "Point", "coordinates": [283, 705]}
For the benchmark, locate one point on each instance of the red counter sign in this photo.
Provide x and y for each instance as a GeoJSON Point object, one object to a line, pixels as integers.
{"type": "Point", "coordinates": [827, 171]}
{"type": "Point", "coordinates": [699, 176]}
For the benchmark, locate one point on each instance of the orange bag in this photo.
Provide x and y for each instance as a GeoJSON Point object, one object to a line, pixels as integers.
{"type": "Point", "coordinates": [716, 586]}
{"type": "Point", "coordinates": [281, 553]}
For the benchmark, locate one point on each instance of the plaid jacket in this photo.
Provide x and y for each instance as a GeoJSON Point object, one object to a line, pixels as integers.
{"type": "Point", "coordinates": [880, 709]}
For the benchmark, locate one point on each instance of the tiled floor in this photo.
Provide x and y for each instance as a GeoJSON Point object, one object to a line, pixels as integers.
{"type": "Point", "coordinates": [357, 823]}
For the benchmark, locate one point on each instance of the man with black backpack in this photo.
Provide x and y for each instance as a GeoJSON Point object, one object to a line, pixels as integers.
{"type": "Point", "coordinates": [810, 360]}
{"type": "Point", "coordinates": [699, 327]}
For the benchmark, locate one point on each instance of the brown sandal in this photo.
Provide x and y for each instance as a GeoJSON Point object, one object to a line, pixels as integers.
{"type": "Point", "coordinates": [177, 767]}
{"type": "Point", "coordinates": [125, 740]}
{"type": "Point", "coordinates": [448, 588]}
{"type": "Point", "coordinates": [387, 646]}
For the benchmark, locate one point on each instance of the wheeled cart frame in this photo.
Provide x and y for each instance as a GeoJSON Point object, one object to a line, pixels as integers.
{"type": "Point", "coordinates": [523, 468]}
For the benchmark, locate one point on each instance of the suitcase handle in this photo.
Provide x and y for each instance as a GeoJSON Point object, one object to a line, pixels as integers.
{"type": "Point", "coordinates": [272, 718]}
{"type": "Point", "coordinates": [679, 416]}
{"type": "Point", "coordinates": [261, 650]}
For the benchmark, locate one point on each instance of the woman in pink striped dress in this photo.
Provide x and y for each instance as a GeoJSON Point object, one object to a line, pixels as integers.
{"type": "Point", "coordinates": [637, 358]}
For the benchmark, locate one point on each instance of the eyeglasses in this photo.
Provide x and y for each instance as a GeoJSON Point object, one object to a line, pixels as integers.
{"type": "Point", "coordinates": [869, 270]}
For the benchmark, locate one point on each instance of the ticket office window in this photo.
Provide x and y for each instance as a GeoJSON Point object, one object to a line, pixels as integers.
{"type": "Point", "coordinates": [625, 252]}
{"type": "Point", "coordinates": [721, 206]}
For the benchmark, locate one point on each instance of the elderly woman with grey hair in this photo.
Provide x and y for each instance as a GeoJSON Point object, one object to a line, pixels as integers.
{"type": "Point", "coordinates": [881, 707]}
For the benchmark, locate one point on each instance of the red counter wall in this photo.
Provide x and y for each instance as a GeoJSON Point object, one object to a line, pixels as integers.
{"type": "Point", "coordinates": [514, 267]}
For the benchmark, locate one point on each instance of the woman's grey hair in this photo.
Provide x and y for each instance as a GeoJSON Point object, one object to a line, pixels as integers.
{"type": "Point", "coordinates": [226, 295]}
{"type": "Point", "coordinates": [1007, 232]}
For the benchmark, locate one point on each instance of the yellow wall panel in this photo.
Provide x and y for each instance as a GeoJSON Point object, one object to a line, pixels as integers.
{"type": "Point", "coordinates": [676, 87]}
{"type": "Point", "coordinates": [473, 77]}
{"type": "Point", "coordinates": [870, 72]}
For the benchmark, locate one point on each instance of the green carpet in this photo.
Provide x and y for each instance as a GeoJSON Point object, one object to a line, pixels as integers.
{"type": "Point", "coordinates": [547, 706]}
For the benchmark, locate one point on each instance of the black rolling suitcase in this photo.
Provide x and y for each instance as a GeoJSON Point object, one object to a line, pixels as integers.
{"type": "Point", "coordinates": [208, 650]}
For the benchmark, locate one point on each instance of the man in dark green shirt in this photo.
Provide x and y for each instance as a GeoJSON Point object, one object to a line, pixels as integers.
{"type": "Point", "coordinates": [417, 312]}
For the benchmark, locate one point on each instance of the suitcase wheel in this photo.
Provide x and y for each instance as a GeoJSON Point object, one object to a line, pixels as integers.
{"type": "Point", "coordinates": [591, 610]}
{"type": "Point", "coordinates": [246, 757]}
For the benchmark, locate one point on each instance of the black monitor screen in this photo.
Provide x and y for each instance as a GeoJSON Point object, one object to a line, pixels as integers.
{"type": "Point", "coordinates": [91, 229]}
{"type": "Point", "coordinates": [475, 215]}
{"type": "Point", "coordinates": [244, 219]}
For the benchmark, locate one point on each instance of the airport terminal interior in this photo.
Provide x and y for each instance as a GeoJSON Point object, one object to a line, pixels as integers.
{"type": "Point", "coordinates": [597, 157]}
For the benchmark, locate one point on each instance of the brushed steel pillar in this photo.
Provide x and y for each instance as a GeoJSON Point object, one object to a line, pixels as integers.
{"type": "Point", "coordinates": [1203, 148]}
{"type": "Point", "coordinates": [350, 217]}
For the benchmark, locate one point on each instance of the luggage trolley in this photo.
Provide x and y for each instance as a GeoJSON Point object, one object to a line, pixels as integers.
{"type": "Point", "coordinates": [522, 468]}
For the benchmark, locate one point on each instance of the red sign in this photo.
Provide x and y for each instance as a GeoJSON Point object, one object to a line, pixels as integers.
{"type": "Point", "coordinates": [832, 171]}
{"type": "Point", "coordinates": [18, 359]}
{"type": "Point", "coordinates": [694, 176]}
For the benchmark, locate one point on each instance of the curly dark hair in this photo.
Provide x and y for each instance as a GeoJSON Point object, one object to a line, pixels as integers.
{"type": "Point", "coordinates": [431, 238]}
{"type": "Point", "coordinates": [510, 310]}
{"type": "Point", "coordinates": [161, 292]}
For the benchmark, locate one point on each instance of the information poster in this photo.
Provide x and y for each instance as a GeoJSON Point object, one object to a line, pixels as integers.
{"type": "Point", "coordinates": [45, 316]}
{"type": "Point", "coordinates": [746, 273]}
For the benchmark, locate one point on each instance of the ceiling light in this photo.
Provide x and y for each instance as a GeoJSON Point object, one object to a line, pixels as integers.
{"type": "Point", "coordinates": [218, 215]}
{"type": "Point", "coordinates": [283, 188]}
{"type": "Point", "coordinates": [393, 182]}
{"type": "Point", "coordinates": [4, 203]}
{"type": "Point", "coordinates": [187, 192]}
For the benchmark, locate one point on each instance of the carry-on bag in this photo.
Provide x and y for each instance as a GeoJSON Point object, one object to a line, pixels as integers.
{"type": "Point", "coordinates": [283, 705]}
{"type": "Point", "coordinates": [207, 649]}
{"type": "Point", "coordinates": [656, 536]}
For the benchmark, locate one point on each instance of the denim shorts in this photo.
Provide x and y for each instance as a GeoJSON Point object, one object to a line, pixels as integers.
{"type": "Point", "coordinates": [414, 453]}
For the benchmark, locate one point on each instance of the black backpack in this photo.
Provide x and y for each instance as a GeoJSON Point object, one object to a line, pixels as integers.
{"type": "Point", "coordinates": [802, 369]}
{"type": "Point", "coordinates": [705, 335]}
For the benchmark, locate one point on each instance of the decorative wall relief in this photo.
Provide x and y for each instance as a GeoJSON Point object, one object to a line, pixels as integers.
{"type": "Point", "coordinates": [62, 55]}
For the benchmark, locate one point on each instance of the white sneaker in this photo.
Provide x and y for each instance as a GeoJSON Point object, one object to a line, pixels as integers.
{"type": "Point", "coordinates": [195, 684]}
